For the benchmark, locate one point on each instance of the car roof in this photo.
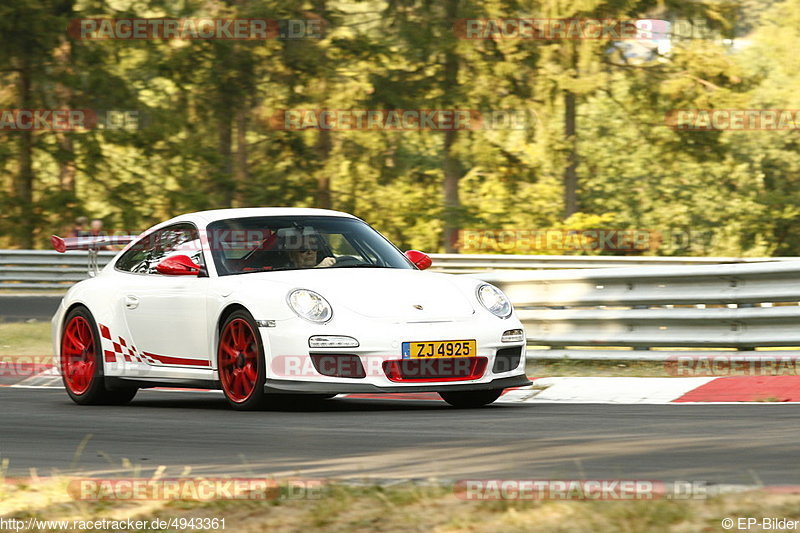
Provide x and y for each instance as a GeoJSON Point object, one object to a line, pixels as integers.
{"type": "Point", "coordinates": [205, 217]}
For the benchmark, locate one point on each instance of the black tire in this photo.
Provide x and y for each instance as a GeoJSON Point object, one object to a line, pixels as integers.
{"type": "Point", "coordinates": [94, 392]}
{"type": "Point", "coordinates": [255, 398]}
{"type": "Point", "coordinates": [119, 396]}
{"type": "Point", "coordinates": [471, 399]}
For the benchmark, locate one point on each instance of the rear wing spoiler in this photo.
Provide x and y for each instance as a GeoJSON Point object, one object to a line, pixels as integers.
{"type": "Point", "coordinates": [61, 244]}
{"type": "Point", "coordinates": [90, 244]}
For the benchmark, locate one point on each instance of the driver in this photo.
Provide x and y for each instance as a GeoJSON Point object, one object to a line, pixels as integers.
{"type": "Point", "coordinates": [301, 247]}
{"type": "Point", "coordinates": [308, 258]}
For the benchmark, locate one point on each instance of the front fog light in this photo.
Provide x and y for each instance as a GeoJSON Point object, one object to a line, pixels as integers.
{"type": "Point", "coordinates": [513, 335]}
{"type": "Point", "coordinates": [332, 341]}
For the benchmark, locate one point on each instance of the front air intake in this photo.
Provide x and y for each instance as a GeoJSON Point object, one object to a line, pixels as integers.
{"type": "Point", "coordinates": [435, 369]}
{"type": "Point", "coordinates": [507, 359]}
{"type": "Point", "coordinates": [338, 365]}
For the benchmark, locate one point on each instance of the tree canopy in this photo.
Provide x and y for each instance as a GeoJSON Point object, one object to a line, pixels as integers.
{"type": "Point", "coordinates": [573, 134]}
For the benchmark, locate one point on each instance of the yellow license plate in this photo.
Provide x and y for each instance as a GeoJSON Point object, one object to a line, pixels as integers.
{"type": "Point", "coordinates": [439, 349]}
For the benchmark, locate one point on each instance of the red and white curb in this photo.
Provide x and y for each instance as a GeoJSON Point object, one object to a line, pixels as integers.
{"type": "Point", "coordinates": [612, 390]}
{"type": "Point", "coordinates": [624, 390]}
{"type": "Point", "coordinates": [49, 378]}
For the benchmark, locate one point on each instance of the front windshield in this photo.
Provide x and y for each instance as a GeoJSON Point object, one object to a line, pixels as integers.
{"type": "Point", "coordinates": [258, 244]}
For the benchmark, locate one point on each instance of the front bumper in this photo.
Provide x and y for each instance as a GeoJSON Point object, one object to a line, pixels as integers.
{"type": "Point", "coordinates": [276, 386]}
{"type": "Point", "coordinates": [289, 357]}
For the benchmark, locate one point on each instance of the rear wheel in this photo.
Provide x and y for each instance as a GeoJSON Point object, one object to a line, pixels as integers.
{"type": "Point", "coordinates": [82, 365]}
{"type": "Point", "coordinates": [240, 360]}
{"type": "Point", "coordinates": [471, 399]}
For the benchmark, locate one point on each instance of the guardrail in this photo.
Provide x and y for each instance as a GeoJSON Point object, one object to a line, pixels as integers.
{"type": "Point", "coordinates": [49, 270]}
{"type": "Point", "coordinates": [462, 263]}
{"type": "Point", "coordinates": [660, 308]}
{"type": "Point", "coordinates": [44, 269]}
{"type": "Point", "coordinates": [657, 312]}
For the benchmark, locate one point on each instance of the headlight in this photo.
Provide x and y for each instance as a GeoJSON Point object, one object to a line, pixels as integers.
{"type": "Point", "coordinates": [494, 300]}
{"type": "Point", "coordinates": [310, 305]}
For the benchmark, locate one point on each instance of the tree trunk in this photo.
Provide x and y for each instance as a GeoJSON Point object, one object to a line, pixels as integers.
{"type": "Point", "coordinates": [323, 145]}
{"type": "Point", "coordinates": [322, 198]}
{"type": "Point", "coordinates": [66, 164]}
{"type": "Point", "coordinates": [451, 166]}
{"type": "Point", "coordinates": [242, 175]}
{"type": "Point", "coordinates": [226, 188]}
{"type": "Point", "coordinates": [66, 157]}
{"type": "Point", "coordinates": [570, 134]}
{"type": "Point", "coordinates": [23, 187]}
{"type": "Point", "coordinates": [452, 177]}
{"type": "Point", "coordinates": [571, 171]}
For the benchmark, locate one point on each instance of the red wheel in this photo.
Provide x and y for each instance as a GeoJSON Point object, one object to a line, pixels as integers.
{"type": "Point", "coordinates": [81, 365]}
{"type": "Point", "coordinates": [240, 361]}
{"type": "Point", "coordinates": [78, 355]}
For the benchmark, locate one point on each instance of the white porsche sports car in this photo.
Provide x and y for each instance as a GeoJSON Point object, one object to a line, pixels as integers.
{"type": "Point", "coordinates": [266, 301]}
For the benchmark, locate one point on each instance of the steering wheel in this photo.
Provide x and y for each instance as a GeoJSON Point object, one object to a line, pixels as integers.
{"type": "Point", "coordinates": [344, 260]}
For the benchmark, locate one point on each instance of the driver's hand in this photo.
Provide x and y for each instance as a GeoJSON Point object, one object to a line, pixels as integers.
{"type": "Point", "coordinates": [328, 261]}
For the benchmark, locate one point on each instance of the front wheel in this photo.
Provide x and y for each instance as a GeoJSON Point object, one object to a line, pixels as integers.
{"type": "Point", "coordinates": [471, 399]}
{"type": "Point", "coordinates": [81, 363]}
{"type": "Point", "coordinates": [240, 360]}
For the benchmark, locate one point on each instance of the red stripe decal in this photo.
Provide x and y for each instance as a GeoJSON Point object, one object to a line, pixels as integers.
{"type": "Point", "coordinates": [110, 356]}
{"type": "Point", "coordinates": [177, 360]}
{"type": "Point", "coordinates": [105, 332]}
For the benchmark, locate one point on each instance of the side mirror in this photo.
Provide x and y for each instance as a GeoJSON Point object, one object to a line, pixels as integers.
{"type": "Point", "coordinates": [420, 260]}
{"type": "Point", "coordinates": [178, 265]}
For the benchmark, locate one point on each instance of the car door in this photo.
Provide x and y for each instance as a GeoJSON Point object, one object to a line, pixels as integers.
{"type": "Point", "coordinates": [166, 314]}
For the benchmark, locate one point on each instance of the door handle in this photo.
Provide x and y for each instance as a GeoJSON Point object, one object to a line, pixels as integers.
{"type": "Point", "coordinates": [131, 302]}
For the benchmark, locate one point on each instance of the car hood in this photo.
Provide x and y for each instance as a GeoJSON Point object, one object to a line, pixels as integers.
{"type": "Point", "coordinates": [385, 293]}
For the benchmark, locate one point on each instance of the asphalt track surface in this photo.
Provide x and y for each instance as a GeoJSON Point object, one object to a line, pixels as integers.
{"type": "Point", "coordinates": [399, 439]}
{"type": "Point", "coordinates": [17, 308]}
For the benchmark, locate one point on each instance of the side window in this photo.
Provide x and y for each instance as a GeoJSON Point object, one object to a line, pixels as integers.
{"type": "Point", "coordinates": [149, 251]}
{"type": "Point", "coordinates": [134, 259]}
{"type": "Point", "coordinates": [340, 245]}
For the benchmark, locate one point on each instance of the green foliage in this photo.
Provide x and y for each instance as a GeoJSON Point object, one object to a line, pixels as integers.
{"type": "Point", "coordinates": [205, 138]}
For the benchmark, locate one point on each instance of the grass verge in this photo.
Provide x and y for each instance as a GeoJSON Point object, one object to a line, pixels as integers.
{"type": "Point", "coordinates": [25, 338]}
{"type": "Point", "coordinates": [566, 367]}
{"type": "Point", "coordinates": [402, 508]}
